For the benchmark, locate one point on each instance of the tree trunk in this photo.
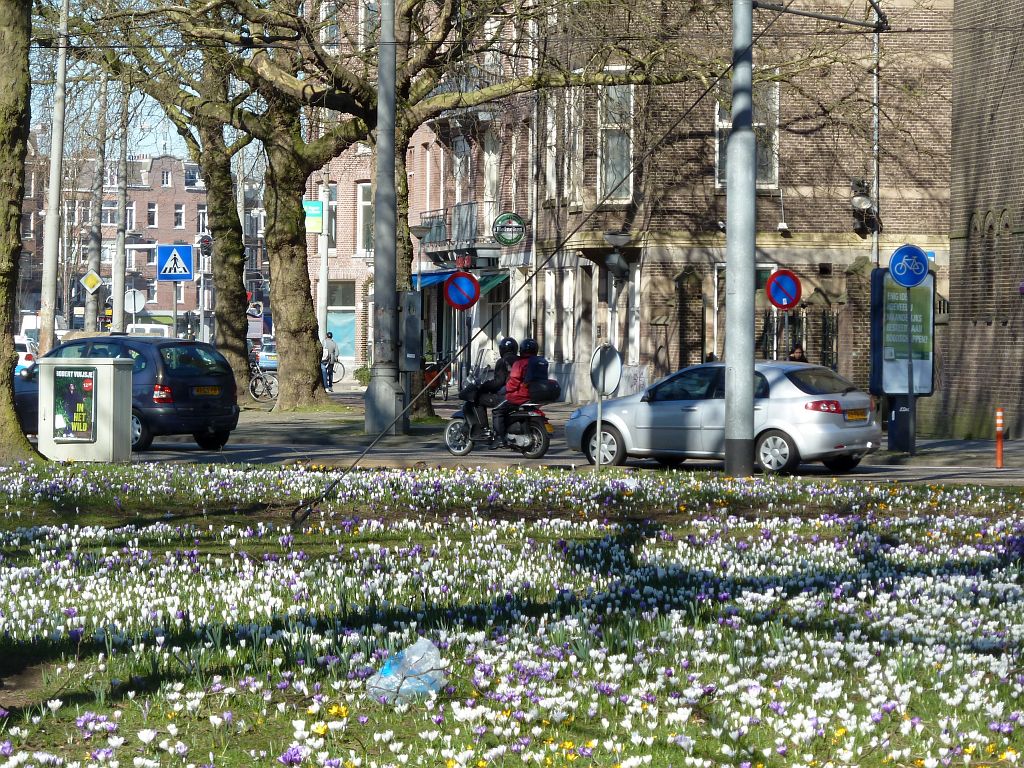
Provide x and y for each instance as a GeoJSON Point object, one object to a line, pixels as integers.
{"type": "Point", "coordinates": [15, 28]}
{"type": "Point", "coordinates": [290, 289]}
{"type": "Point", "coordinates": [228, 254]}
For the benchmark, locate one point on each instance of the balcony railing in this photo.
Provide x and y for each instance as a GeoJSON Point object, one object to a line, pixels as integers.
{"type": "Point", "coordinates": [462, 227]}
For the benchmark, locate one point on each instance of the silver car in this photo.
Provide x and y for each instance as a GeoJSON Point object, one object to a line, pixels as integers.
{"type": "Point", "coordinates": [802, 412]}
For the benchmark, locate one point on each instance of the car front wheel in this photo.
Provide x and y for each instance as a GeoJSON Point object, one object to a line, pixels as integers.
{"type": "Point", "coordinates": [776, 453]}
{"type": "Point", "coordinates": [142, 437]}
{"type": "Point", "coordinates": [613, 450]}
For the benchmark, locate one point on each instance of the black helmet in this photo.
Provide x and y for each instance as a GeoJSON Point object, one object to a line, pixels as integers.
{"type": "Point", "coordinates": [529, 347]}
{"type": "Point", "coordinates": [508, 346]}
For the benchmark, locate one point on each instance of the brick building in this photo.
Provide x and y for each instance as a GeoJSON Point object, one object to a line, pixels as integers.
{"type": "Point", "coordinates": [166, 205]}
{"type": "Point", "coordinates": [983, 350]}
{"type": "Point", "coordinates": [556, 160]}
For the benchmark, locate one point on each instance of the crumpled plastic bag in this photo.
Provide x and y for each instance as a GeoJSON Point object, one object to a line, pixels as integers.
{"type": "Point", "coordinates": [413, 671]}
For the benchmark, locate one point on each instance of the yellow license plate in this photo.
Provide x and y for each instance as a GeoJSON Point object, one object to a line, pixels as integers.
{"type": "Point", "coordinates": [857, 414]}
{"type": "Point", "coordinates": [206, 390]}
{"type": "Point", "coordinates": [549, 428]}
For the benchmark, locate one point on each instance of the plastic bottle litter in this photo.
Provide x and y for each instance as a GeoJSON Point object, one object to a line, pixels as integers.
{"type": "Point", "coordinates": [413, 671]}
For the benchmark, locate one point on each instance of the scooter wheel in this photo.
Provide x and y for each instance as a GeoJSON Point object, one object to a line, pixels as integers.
{"type": "Point", "coordinates": [539, 440]}
{"type": "Point", "coordinates": [456, 437]}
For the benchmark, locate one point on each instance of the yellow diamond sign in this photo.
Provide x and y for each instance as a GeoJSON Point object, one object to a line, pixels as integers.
{"type": "Point", "coordinates": [91, 281]}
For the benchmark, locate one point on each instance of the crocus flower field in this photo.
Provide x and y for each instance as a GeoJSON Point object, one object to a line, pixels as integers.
{"type": "Point", "coordinates": [150, 616]}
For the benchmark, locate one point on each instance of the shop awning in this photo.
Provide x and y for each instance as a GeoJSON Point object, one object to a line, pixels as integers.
{"type": "Point", "coordinates": [430, 278]}
{"type": "Point", "coordinates": [489, 282]}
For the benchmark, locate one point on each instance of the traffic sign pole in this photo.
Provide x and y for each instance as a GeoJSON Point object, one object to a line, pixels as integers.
{"type": "Point", "coordinates": [911, 400]}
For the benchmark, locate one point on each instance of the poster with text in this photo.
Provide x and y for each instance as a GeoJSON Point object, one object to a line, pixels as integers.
{"type": "Point", "coordinates": [894, 343]}
{"type": "Point", "coordinates": [74, 405]}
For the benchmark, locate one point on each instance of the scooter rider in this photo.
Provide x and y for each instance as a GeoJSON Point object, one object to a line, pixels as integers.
{"type": "Point", "coordinates": [492, 391]}
{"type": "Point", "coordinates": [516, 390]}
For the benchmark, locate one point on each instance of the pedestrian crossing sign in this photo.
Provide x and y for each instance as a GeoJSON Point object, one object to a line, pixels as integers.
{"type": "Point", "coordinates": [174, 262]}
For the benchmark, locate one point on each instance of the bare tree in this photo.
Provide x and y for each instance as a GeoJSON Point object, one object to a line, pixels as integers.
{"type": "Point", "coordinates": [15, 28]}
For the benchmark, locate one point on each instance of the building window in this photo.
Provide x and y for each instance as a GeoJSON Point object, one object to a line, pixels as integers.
{"type": "Point", "coordinates": [151, 287]}
{"type": "Point", "coordinates": [341, 315]}
{"type": "Point", "coordinates": [369, 23]}
{"type": "Point", "coordinates": [111, 175]}
{"type": "Point", "coordinates": [179, 215]}
{"type": "Point", "coordinates": [129, 216]}
{"type": "Point", "coordinates": [165, 178]}
{"type": "Point", "coordinates": [150, 214]}
{"type": "Point", "coordinates": [85, 212]}
{"type": "Point", "coordinates": [329, 26]}
{"type": "Point", "coordinates": [574, 118]}
{"type": "Point", "coordinates": [191, 176]}
{"type": "Point", "coordinates": [107, 254]}
{"type": "Point", "coordinates": [70, 216]}
{"type": "Point", "coordinates": [615, 144]}
{"type": "Point", "coordinates": [364, 223]}
{"type": "Point", "coordinates": [201, 219]}
{"type": "Point", "coordinates": [550, 151]}
{"type": "Point", "coordinates": [766, 134]}
{"type": "Point", "coordinates": [108, 214]}
{"type": "Point", "coordinates": [179, 291]}
{"type": "Point", "coordinates": [332, 215]}
{"type": "Point", "coordinates": [26, 226]}
{"type": "Point", "coordinates": [151, 256]}
{"type": "Point", "coordinates": [492, 174]}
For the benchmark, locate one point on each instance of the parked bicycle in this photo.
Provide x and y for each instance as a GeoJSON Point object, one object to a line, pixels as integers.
{"type": "Point", "coordinates": [263, 386]}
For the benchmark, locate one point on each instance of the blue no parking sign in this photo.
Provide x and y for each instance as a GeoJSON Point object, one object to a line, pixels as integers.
{"type": "Point", "coordinates": [461, 290]}
{"type": "Point", "coordinates": [783, 289]}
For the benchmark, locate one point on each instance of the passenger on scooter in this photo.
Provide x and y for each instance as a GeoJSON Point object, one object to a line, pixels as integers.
{"type": "Point", "coordinates": [516, 390]}
{"type": "Point", "coordinates": [492, 392]}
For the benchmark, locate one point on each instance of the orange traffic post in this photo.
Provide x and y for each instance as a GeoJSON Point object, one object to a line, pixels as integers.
{"type": "Point", "coordinates": [999, 438]}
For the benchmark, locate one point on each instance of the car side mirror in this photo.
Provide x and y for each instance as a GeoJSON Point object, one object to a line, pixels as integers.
{"type": "Point", "coordinates": [646, 396]}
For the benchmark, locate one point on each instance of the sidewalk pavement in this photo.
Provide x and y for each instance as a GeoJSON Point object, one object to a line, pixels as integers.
{"type": "Point", "coordinates": [344, 426]}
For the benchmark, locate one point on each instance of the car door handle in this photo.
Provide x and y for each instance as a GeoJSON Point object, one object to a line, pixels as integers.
{"type": "Point", "coordinates": [689, 410]}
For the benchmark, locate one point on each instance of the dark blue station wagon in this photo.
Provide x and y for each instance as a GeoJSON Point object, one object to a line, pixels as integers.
{"type": "Point", "coordinates": [178, 387]}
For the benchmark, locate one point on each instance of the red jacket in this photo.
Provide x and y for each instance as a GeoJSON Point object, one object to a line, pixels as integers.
{"type": "Point", "coordinates": [516, 391]}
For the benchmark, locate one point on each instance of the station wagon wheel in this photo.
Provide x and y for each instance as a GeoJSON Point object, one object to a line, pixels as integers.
{"type": "Point", "coordinates": [776, 453]}
{"type": "Point", "coordinates": [142, 437]}
{"type": "Point", "coordinates": [613, 450]}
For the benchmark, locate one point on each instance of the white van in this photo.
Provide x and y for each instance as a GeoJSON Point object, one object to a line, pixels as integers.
{"type": "Point", "coordinates": [30, 325]}
{"type": "Point", "coordinates": [148, 329]}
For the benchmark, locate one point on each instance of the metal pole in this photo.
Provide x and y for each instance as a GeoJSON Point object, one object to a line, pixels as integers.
{"type": "Point", "coordinates": [740, 240]}
{"type": "Point", "coordinates": [876, 173]}
{"type": "Point", "coordinates": [117, 267]}
{"type": "Point", "coordinates": [383, 396]}
{"type": "Point", "coordinates": [322, 246]}
{"type": "Point", "coordinates": [92, 301]}
{"type": "Point", "coordinates": [174, 310]}
{"type": "Point", "coordinates": [51, 233]}
{"type": "Point", "coordinates": [911, 404]}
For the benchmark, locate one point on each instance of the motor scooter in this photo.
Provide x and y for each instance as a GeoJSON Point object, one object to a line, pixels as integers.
{"type": "Point", "coordinates": [528, 431]}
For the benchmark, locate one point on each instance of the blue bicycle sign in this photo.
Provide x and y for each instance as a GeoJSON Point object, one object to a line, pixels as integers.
{"type": "Point", "coordinates": [908, 266]}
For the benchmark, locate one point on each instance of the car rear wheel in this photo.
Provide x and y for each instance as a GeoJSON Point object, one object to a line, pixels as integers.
{"type": "Point", "coordinates": [776, 453]}
{"type": "Point", "coordinates": [613, 450]}
{"type": "Point", "coordinates": [841, 463]}
{"type": "Point", "coordinates": [142, 437]}
{"type": "Point", "coordinates": [212, 441]}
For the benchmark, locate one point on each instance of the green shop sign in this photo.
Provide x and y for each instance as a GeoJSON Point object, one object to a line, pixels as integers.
{"type": "Point", "coordinates": [509, 229]}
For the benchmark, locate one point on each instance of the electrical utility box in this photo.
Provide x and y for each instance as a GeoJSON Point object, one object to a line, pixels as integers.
{"type": "Point", "coordinates": [410, 324]}
{"type": "Point", "coordinates": [85, 408]}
